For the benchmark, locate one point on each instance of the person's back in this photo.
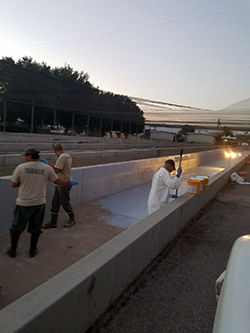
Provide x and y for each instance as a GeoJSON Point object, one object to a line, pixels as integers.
{"type": "Point", "coordinates": [32, 178]}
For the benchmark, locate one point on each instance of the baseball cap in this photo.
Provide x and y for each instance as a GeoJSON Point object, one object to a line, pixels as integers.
{"type": "Point", "coordinates": [31, 151]}
{"type": "Point", "coordinates": [171, 162]}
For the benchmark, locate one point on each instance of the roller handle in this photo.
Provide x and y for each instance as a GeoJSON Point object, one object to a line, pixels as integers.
{"type": "Point", "coordinates": [181, 152]}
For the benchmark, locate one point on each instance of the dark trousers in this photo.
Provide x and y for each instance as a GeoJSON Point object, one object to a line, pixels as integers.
{"type": "Point", "coordinates": [33, 215]}
{"type": "Point", "coordinates": [61, 197]}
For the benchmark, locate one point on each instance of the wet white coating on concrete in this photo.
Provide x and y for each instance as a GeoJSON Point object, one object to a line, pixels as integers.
{"type": "Point", "coordinates": [130, 206]}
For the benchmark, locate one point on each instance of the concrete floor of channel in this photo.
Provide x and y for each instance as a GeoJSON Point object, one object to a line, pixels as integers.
{"type": "Point", "coordinates": [175, 293]}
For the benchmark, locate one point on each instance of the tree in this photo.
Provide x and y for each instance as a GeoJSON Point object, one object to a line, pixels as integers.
{"type": "Point", "coordinates": [187, 129]}
{"type": "Point", "coordinates": [61, 88]}
{"type": "Point", "coordinates": [227, 131]}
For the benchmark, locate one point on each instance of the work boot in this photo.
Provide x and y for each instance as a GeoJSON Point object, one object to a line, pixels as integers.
{"type": "Point", "coordinates": [52, 223]}
{"type": "Point", "coordinates": [11, 251]}
{"type": "Point", "coordinates": [71, 221]}
{"type": "Point", "coordinates": [33, 242]}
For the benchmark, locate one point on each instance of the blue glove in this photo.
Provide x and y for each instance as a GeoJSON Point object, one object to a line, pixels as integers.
{"type": "Point", "coordinates": [73, 182]}
{"type": "Point", "coordinates": [179, 171]}
{"type": "Point", "coordinates": [45, 162]}
{"type": "Point", "coordinates": [174, 196]}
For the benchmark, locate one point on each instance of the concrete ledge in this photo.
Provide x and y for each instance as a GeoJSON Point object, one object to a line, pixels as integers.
{"type": "Point", "coordinates": [16, 142]}
{"type": "Point", "coordinates": [75, 298]}
{"type": "Point", "coordinates": [7, 160]}
{"type": "Point", "coordinates": [80, 145]}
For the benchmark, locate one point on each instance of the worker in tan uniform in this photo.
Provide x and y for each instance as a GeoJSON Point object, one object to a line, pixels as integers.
{"type": "Point", "coordinates": [61, 196]}
{"type": "Point", "coordinates": [31, 178]}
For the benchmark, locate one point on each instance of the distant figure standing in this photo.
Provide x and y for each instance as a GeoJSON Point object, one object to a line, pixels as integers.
{"type": "Point", "coordinates": [62, 193]}
{"type": "Point", "coordinates": [161, 184]}
{"type": "Point", "coordinates": [31, 179]}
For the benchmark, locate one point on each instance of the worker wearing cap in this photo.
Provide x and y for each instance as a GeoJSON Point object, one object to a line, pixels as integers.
{"type": "Point", "coordinates": [31, 179]}
{"type": "Point", "coordinates": [61, 196]}
{"type": "Point", "coordinates": [161, 184]}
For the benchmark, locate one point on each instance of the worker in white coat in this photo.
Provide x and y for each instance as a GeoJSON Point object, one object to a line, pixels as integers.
{"type": "Point", "coordinates": [161, 184]}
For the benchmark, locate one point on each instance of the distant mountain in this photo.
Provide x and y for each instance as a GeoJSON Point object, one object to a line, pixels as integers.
{"type": "Point", "coordinates": [239, 106]}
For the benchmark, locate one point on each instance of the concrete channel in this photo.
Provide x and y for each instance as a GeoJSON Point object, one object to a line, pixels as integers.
{"type": "Point", "coordinates": [88, 150]}
{"type": "Point", "coordinates": [74, 298]}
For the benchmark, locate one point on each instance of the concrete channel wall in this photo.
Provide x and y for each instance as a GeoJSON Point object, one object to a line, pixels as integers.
{"type": "Point", "coordinates": [98, 181]}
{"type": "Point", "coordinates": [14, 142]}
{"type": "Point", "coordinates": [72, 300]}
{"type": "Point", "coordinates": [12, 146]}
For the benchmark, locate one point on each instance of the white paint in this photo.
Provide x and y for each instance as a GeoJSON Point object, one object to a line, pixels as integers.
{"type": "Point", "coordinates": [130, 206]}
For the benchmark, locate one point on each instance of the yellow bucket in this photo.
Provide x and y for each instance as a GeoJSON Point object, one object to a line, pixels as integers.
{"type": "Point", "coordinates": [193, 186]}
{"type": "Point", "coordinates": [206, 180]}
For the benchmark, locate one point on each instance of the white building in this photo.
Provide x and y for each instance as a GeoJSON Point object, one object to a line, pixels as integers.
{"type": "Point", "coordinates": [161, 135]}
{"type": "Point", "coordinates": [201, 138]}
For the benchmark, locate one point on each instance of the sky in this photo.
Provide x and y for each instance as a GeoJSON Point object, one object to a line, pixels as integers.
{"type": "Point", "coordinates": [189, 52]}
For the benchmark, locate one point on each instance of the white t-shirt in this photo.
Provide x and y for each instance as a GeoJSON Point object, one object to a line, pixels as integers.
{"type": "Point", "coordinates": [161, 184]}
{"type": "Point", "coordinates": [32, 177]}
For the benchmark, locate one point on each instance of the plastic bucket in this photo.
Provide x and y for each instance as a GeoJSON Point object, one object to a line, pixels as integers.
{"type": "Point", "coordinates": [200, 179]}
{"type": "Point", "coordinates": [194, 186]}
{"type": "Point", "coordinates": [243, 174]}
{"type": "Point", "coordinates": [206, 180]}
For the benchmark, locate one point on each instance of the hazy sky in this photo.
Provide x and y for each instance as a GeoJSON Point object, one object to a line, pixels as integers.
{"type": "Point", "coordinates": [189, 52]}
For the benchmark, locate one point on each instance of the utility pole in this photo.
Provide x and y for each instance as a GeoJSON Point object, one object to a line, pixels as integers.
{"type": "Point", "coordinates": [218, 125]}
{"type": "Point", "coordinates": [32, 118]}
{"type": "Point", "coordinates": [4, 116]}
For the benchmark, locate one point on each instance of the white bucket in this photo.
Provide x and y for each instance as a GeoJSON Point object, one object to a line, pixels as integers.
{"type": "Point", "coordinates": [200, 179]}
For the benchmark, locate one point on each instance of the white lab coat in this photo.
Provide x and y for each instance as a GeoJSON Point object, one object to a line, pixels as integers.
{"type": "Point", "coordinates": [161, 184]}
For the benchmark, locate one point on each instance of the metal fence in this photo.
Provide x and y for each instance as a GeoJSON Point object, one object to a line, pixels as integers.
{"type": "Point", "coordinates": [30, 118]}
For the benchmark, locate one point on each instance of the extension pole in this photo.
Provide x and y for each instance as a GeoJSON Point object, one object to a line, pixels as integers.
{"type": "Point", "coordinates": [181, 152]}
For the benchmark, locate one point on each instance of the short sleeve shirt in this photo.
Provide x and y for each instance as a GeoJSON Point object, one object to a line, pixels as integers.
{"type": "Point", "coordinates": [32, 177]}
{"type": "Point", "coordinates": [64, 163]}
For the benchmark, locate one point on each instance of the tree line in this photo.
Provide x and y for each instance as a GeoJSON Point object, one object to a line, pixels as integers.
{"type": "Point", "coordinates": [26, 82]}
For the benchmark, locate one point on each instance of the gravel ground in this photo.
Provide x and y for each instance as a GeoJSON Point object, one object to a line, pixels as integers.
{"type": "Point", "coordinates": [176, 292]}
